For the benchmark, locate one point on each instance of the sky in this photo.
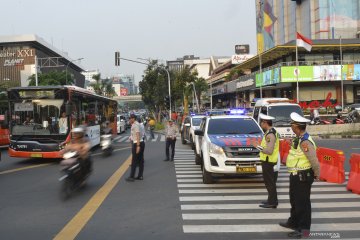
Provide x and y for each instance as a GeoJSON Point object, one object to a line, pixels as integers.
{"type": "Point", "coordinates": [156, 29]}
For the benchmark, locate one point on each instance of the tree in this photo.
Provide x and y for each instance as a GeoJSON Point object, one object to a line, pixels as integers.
{"type": "Point", "coordinates": [103, 87]}
{"type": "Point", "coordinates": [53, 78]}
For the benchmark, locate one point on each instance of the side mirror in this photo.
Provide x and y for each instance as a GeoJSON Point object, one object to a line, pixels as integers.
{"type": "Point", "coordinates": [68, 109]}
{"type": "Point", "coordinates": [187, 124]}
{"type": "Point", "coordinates": [199, 132]}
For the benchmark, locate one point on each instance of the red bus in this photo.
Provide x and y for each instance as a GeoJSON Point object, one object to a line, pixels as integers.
{"type": "Point", "coordinates": [4, 130]}
{"type": "Point", "coordinates": [41, 118]}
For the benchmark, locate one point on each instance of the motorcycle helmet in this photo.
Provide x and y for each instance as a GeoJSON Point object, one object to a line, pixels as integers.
{"type": "Point", "coordinates": [78, 132]}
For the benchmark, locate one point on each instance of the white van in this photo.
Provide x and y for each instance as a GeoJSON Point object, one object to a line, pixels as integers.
{"type": "Point", "coordinates": [121, 123]}
{"type": "Point", "coordinates": [280, 109]}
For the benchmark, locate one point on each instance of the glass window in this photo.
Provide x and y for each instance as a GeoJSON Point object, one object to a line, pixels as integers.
{"type": "Point", "coordinates": [282, 114]}
{"type": "Point", "coordinates": [196, 121]}
{"type": "Point", "coordinates": [233, 126]}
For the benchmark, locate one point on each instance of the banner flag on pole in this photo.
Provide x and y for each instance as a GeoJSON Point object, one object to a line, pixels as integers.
{"type": "Point", "coordinates": [304, 42]}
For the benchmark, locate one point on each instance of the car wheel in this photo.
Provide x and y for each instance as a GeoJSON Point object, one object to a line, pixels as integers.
{"type": "Point", "coordinates": [207, 178]}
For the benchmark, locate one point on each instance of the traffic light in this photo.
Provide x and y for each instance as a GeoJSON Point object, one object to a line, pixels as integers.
{"type": "Point", "coordinates": [117, 58]}
{"type": "Point", "coordinates": [167, 102]}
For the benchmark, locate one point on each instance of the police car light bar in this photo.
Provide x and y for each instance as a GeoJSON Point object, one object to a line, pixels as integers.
{"type": "Point", "coordinates": [237, 111]}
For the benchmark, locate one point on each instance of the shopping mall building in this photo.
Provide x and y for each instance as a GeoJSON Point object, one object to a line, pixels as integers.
{"type": "Point", "coordinates": [17, 60]}
{"type": "Point", "coordinates": [330, 71]}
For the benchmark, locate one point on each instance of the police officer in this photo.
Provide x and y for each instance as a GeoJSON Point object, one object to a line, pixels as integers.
{"type": "Point", "coordinates": [303, 165]}
{"type": "Point", "coordinates": [269, 156]}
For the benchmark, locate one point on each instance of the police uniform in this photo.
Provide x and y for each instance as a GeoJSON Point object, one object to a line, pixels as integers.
{"type": "Point", "coordinates": [303, 166]}
{"type": "Point", "coordinates": [269, 155]}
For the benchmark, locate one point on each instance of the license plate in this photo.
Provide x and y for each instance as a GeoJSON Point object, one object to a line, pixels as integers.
{"type": "Point", "coordinates": [36, 155]}
{"type": "Point", "coordinates": [246, 169]}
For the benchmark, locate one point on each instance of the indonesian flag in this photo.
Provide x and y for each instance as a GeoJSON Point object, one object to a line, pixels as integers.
{"type": "Point", "coordinates": [304, 42]}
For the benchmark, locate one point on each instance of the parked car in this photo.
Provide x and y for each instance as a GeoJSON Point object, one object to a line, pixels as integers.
{"type": "Point", "coordinates": [121, 123]}
{"type": "Point", "coordinates": [190, 124]}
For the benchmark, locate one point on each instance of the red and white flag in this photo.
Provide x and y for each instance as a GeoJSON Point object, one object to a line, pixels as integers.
{"type": "Point", "coordinates": [304, 42]}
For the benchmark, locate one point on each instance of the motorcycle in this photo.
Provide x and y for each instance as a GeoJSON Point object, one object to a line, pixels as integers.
{"type": "Point", "coordinates": [318, 121]}
{"type": "Point", "coordinates": [74, 174]}
{"type": "Point", "coordinates": [106, 144]}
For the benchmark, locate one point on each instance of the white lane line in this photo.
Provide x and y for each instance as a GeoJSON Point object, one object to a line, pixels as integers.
{"type": "Point", "coordinates": [188, 164]}
{"type": "Point", "coordinates": [156, 136]}
{"type": "Point", "coordinates": [256, 206]}
{"type": "Point", "coordinates": [321, 227]}
{"type": "Point", "coordinates": [272, 215]}
{"type": "Point", "coordinates": [251, 183]}
{"type": "Point", "coordinates": [189, 180]}
{"type": "Point", "coordinates": [187, 168]}
{"type": "Point", "coordinates": [262, 197]}
{"type": "Point", "coordinates": [184, 172]}
{"type": "Point", "coordinates": [183, 160]}
{"type": "Point", "coordinates": [123, 138]}
{"type": "Point", "coordinates": [189, 176]}
{"type": "Point", "coordinates": [261, 190]}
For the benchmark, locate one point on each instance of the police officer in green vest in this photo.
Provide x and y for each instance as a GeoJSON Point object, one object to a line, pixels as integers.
{"type": "Point", "coordinates": [269, 156]}
{"type": "Point", "coordinates": [303, 166]}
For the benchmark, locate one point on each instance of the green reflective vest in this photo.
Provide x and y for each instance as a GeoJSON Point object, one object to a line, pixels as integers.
{"type": "Point", "coordinates": [273, 158]}
{"type": "Point", "coordinates": [296, 159]}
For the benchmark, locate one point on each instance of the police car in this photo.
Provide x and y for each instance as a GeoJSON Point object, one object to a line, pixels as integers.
{"type": "Point", "coordinates": [191, 123]}
{"type": "Point", "coordinates": [224, 146]}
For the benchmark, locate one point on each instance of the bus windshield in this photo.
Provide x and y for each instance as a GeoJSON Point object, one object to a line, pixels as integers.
{"type": "Point", "coordinates": [282, 114]}
{"type": "Point", "coordinates": [38, 117]}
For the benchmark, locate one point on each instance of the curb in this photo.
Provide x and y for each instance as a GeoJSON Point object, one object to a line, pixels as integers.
{"type": "Point", "coordinates": [339, 136]}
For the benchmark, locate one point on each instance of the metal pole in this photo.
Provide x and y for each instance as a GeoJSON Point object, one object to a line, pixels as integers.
{"type": "Point", "coordinates": [168, 74]}
{"type": "Point", "coordinates": [211, 104]}
{"type": "Point", "coordinates": [297, 74]}
{"type": "Point", "coordinates": [196, 98]}
{"type": "Point", "coordinates": [342, 82]}
{"type": "Point", "coordinates": [36, 72]}
{"type": "Point", "coordinates": [262, 77]}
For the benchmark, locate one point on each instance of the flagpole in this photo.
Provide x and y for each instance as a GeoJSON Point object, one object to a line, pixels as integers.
{"type": "Point", "coordinates": [261, 76]}
{"type": "Point", "coordinates": [297, 71]}
{"type": "Point", "coordinates": [342, 82]}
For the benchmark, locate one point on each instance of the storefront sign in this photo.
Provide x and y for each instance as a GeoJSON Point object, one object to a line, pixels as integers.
{"type": "Point", "coordinates": [23, 107]}
{"type": "Point", "coordinates": [237, 59]}
{"type": "Point", "coordinates": [18, 53]}
{"type": "Point", "coordinates": [246, 83]}
{"type": "Point", "coordinates": [242, 49]}
{"type": "Point", "coordinates": [13, 62]}
{"type": "Point", "coordinates": [317, 104]}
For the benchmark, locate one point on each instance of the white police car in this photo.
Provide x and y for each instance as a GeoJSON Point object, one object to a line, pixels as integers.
{"type": "Point", "coordinates": [224, 146]}
{"type": "Point", "coordinates": [191, 123]}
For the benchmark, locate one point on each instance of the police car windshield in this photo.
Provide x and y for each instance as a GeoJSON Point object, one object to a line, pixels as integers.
{"type": "Point", "coordinates": [196, 121]}
{"type": "Point", "coordinates": [282, 114]}
{"type": "Point", "coordinates": [233, 126]}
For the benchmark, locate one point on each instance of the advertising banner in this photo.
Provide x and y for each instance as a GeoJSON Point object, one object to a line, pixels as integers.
{"type": "Point", "coordinates": [268, 77]}
{"type": "Point", "coordinates": [321, 73]}
{"type": "Point", "coordinates": [288, 74]}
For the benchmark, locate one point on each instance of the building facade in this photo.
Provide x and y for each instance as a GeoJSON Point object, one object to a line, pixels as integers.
{"type": "Point", "coordinates": [278, 20]}
{"type": "Point", "coordinates": [17, 60]}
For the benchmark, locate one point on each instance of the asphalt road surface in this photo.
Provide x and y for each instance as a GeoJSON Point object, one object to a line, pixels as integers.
{"type": "Point", "coordinates": [170, 203]}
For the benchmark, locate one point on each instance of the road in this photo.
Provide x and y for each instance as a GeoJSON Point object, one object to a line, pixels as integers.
{"type": "Point", "coordinates": [170, 203]}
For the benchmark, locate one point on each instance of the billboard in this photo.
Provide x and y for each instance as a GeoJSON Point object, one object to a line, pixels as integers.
{"type": "Point", "coordinates": [321, 73]}
{"type": "Point", "coordinates": [123, 91]}
{"type": "Point", "coordinates": [268, 77]}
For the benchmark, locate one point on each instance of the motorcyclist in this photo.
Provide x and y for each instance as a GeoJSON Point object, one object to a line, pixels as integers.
{"type": "Point", "coordinates": [81, 144]}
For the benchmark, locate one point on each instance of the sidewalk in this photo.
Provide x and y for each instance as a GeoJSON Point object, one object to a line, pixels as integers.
{"type": "Point", "coordinates": [339, 136]}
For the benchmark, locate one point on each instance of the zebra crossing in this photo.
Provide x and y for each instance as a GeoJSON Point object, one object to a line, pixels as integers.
{"type": "Point", "coordinates": [231, 205]}
{"type": "Point", "coordinates": [125, 138]}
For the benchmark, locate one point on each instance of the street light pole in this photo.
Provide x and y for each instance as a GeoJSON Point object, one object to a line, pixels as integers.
{"type": "Point", "coordinates": [67, 65]}
{"type": "Point", "coordinates": [341, 74]}
{"type": "Point", "coordinates": [196, 98]}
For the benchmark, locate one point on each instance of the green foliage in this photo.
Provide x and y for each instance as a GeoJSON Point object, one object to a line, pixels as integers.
{"type": "Point", "coordinates": [159, 126]}
{"type": "Point", "coordinates": [103, 86]}
{"type": "Point", "coordinates": [234, 74]}
{"type": "Point", "coordinates": [53, 78]}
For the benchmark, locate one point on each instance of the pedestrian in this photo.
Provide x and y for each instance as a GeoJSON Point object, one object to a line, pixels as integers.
{"type": "Point", "coordinates": [303, 165]}
{"type": "Point", "coordinates": [137, 146]}
{"type": "Point", "coordinates": [152, 127]}
{"type": "Point", "coordinates": [269, 156]}
{"type": "Point", "coordinates": [170, 136]}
